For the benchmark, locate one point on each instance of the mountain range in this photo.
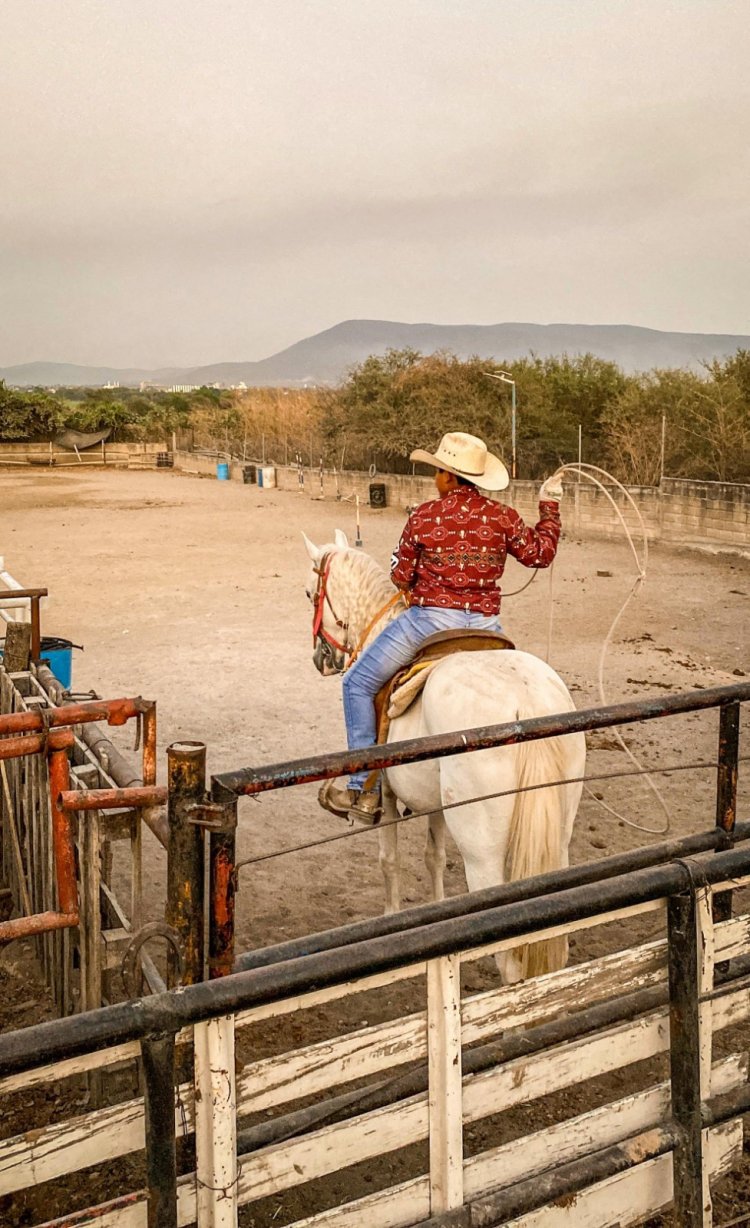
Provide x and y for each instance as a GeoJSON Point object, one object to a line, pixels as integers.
{"type": "Point", "coordinates": [325, 357]}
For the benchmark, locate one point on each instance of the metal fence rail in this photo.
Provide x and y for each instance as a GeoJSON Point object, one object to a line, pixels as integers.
{"type": "Point", "coordinates": [251, 780]}
{"type": "Point", "coordinates": [668, 997]}
{"type": "Point", "coordinates": [80, 927]}
{"type": "Point", "coordinates": [457, 1093]}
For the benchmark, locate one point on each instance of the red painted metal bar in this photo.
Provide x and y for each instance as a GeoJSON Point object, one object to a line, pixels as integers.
{"type": "Point", "coordinates": [185, 910]}
{"type": "Point", "coordinates": [38, 923]}
{"type": "Point", "coordinates": [112, 799]}
{"type": "Point", "coordinates": [64, 852]}
{"type": "Point", "coordinates": [62, 835]}
{"type": "Point", "coordinates": [222, 880]}
{"type": "Point", "coordinates": [34, 743]}
{"type": "Point", "coordinates": [113, 711]}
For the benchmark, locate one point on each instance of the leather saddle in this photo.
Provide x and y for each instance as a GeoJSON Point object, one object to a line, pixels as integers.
{"type": "Point", "coordinates": [402, 689]}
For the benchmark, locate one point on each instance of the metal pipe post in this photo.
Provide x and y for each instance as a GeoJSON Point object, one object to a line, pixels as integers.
{"type": "Point", "coordinates": [186, 770]}
{"type": "Point", "coordinates": [222, 887]}
{"type": "Point", "coordinates": [685, 1061]}
{"type": "Point", "coordinates": [148, 718]}
{"type": "Point", "coordinates": [726, 783]}
{"type": "Point", "coordinates": [161, 1154]}
{"type": "Point", "coordinates": [62, 835]}
{"type": "Point", "coordinates": [726, 794]}
{"type": "Point", "coordinates": [513, 472]}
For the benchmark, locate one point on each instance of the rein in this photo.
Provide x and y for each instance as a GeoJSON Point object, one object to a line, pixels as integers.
{"type": "Point", "coordinates": [321, 598]}
{"type": "Point", "coordinates": [396, 597]}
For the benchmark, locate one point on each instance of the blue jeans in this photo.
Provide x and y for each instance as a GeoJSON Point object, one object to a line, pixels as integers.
{"type": "Point", "coordinates": [396, 645]}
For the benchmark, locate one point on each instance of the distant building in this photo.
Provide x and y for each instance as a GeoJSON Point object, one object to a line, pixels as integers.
{"type": "Point", "coordinates": [112, 384]}
{"type": "Point", "coordinates": [185, 387]}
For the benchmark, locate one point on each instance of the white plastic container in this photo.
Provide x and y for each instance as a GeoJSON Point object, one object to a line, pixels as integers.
{"type": "Point", "coordinates": [268, 474]}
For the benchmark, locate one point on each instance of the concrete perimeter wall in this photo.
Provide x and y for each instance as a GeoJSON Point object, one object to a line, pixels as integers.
{"type": "Point", "coordinates": [681, 512]}
{"type": "Point", "coordinates": [118, 455]}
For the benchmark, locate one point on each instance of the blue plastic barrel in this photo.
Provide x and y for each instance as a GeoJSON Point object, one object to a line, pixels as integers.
{"type": "Point", "coordinates": [222, 471]}
{"type": "Point", "coordinates": [58, 654]}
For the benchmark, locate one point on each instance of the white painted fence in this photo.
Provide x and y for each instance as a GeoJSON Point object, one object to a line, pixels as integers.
{"type": "Point", "coordinates": [211, 1103]}
{"type": "Point", "coordinates": [12, 609]}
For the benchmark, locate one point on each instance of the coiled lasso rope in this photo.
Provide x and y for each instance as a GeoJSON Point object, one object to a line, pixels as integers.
{"type": "Point", "coordinates": [641, 562]}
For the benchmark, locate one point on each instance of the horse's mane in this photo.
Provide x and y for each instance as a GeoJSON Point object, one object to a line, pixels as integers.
{"type": "Point", "coordinates": [364, 586]}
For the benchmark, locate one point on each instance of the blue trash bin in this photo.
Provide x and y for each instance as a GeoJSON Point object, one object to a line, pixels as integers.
{"type": "Point", "coordinates": [58, 653]}
{"type": "Point", "coordinates": [222, 471]}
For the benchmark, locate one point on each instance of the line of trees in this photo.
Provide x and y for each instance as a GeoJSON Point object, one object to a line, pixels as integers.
{"type": "Point", "coordinates": [392, 404]}
{"type": "Point", "coordinates": [38, 414]}
{"type": "Point", "coordinates": [681, 423]}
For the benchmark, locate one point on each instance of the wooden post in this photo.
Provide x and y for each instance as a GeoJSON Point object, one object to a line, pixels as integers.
{"type": "Point", "coordinates": [216, 1123]}
{"type": "Point", "coordinates": [17, 647]}
{"type": "Point", "coordinates": [445, 1093]}
{"type": "Point", "coordinates": [689, 1056]}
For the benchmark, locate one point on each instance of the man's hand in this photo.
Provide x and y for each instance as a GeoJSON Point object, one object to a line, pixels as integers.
{"type": "Point", "coordinates": [552, 490]}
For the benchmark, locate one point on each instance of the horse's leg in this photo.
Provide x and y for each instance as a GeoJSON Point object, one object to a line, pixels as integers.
{"type": "Point", "coordinates": [388, 851]}
{"type": "Point", "coordinates": [434, 853]}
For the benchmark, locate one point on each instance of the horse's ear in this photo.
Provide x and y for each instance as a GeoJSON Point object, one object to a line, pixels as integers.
{"type": "Point", "coordinates": [311, 548]}
{"type": "Point", "coordinates": [341, 539]}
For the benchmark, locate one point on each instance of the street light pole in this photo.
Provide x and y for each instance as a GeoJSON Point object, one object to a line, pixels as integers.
{"type": "Point", "coordinates": [506, 378]}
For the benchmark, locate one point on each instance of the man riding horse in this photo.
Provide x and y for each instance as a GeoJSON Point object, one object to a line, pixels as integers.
{"type": "Point", "coordinates": [449, 561]}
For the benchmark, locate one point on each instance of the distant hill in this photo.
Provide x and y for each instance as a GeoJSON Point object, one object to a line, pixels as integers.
{"type": "Point", "coordinates": [70, 375]}
{"type": "Point", "coordinates": [325, 357]}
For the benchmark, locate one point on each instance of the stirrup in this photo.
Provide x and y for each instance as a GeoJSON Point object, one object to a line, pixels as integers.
{"type": "Point", "coordinates": [367, 808]}
{"type": "Point", "coordinates": [335, 799]}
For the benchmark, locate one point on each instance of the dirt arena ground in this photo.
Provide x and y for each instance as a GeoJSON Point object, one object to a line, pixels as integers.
{"type": "Point", "coordinates": [191, 592]}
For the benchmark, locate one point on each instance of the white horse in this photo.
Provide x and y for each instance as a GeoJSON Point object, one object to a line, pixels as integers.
{"type": "Point", "coordinates": [507, 837]}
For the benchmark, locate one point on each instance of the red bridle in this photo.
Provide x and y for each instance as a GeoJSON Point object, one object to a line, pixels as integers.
{"type": "Point", "coordinates": [320, 600]}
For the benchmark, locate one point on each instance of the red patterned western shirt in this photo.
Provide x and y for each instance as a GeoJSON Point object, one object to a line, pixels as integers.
{"type": "Point", "coordinates": [452, 551]}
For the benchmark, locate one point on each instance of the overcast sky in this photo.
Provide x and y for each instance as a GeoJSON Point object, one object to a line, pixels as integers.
{"type": "Point", "coordinates": [189, 181]}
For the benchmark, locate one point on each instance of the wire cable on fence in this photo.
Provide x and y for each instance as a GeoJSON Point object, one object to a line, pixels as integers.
{"type": "Point", "coordinates": [485, 797]}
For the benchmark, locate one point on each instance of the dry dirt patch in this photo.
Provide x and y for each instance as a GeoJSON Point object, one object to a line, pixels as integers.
{"type": "Point", "coordinates": [191, 592]}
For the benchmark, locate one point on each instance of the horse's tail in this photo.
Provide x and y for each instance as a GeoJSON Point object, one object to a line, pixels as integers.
{"type": "Point", "coordinates": [536, 836]}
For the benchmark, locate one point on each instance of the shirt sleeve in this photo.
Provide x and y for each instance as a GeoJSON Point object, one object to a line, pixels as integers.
{"type": "Point", "coordinates": [404, 558]}
{"type": "Point", "coordinates": [535, 547]}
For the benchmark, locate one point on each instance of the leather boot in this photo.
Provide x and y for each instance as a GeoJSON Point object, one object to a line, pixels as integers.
{"type": "Point", "coordinates": [367, 808]}
{"type": "Point", "coordinates": [336, 798]}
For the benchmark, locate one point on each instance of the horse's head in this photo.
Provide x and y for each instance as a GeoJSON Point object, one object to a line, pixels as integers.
{"type": "Point", "coordinates": [330, 631]}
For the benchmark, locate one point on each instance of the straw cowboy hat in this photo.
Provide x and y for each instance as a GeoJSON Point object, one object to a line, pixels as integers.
{"type": "Point", "coordinates": [467, 457]}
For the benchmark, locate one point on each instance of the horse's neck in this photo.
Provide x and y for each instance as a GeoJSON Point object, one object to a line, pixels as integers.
{"type": "Point", "coordinates": [362, 591]}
